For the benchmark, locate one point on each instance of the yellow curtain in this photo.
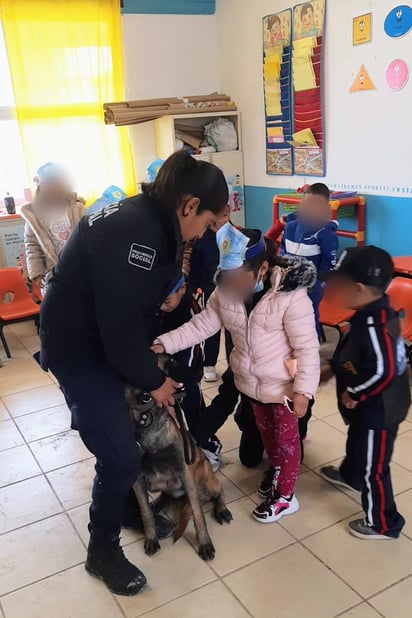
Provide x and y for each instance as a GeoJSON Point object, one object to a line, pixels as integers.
{"type": "Point", "coordinates": [66, 60]}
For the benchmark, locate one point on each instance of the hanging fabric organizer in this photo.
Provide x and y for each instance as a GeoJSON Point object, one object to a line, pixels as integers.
{"type": "Point", "coordinates": [277, 35]}
{"type": "Point", "coordinates": [293, 57]}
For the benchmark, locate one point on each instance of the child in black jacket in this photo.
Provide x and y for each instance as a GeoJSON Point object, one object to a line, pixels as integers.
{"type": "Point", "coordinates": [372, 388]}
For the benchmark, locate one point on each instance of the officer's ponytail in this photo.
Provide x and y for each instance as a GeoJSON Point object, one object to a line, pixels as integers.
{"type": "Point", "coordinates": [182, 175]}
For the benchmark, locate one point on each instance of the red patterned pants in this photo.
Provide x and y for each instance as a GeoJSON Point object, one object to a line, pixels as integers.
{"type": "Point", "coordinates": [280, 437]}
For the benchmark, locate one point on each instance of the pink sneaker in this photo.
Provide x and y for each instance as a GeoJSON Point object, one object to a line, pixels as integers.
{"type": "Point", "coordinates": [275, 507]}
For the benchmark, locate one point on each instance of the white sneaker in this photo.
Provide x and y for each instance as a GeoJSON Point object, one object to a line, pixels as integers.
{"type": "Point", "coordinates": [214, 458]}
{"type": "Point", "coordinates": [275, 507]}
{"type": "Point", "coordinates": [209, 374]}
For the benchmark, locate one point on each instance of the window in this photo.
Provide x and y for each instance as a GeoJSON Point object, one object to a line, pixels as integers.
{"type": "Point", "coordinates": [13, 173]}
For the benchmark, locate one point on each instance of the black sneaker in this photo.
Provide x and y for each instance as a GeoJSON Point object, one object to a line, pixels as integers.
{"type": "Point", "coordinates": [333, 475]}
{"type": "Point", "coordinates": [362, 530]}
{"type": "Point", "coordinates": [269, 481]}
{"type": "Point", "coordinates": [106, 561]}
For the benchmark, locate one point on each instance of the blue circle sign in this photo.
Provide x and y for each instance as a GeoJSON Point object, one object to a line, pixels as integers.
{"type": "Point", "coordinates": [398, 22]}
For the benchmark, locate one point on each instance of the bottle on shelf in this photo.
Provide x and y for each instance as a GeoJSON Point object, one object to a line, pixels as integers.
{"type": "Point", "coordinates": [10, 204]}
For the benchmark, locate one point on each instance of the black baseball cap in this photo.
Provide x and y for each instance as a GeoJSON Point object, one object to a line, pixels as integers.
{"type": "Point", "coordinates": [368, 265]}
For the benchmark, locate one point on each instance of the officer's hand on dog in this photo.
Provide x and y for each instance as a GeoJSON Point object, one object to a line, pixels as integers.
{"type": "Point", "coordinates": [348, 402]}
{"type": "Point", "coordinates": [163, 395]}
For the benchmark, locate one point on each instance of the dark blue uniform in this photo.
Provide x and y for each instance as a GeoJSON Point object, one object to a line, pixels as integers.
{"type": "Point", "coordinates": [95, 327]}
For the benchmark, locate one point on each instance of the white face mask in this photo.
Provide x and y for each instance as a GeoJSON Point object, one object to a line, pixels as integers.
{"type": "Point", "coordinates": [259, 285]}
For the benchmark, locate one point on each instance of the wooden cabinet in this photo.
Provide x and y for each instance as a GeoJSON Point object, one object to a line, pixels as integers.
{"type": "Point", "coordinates": [156, 139]}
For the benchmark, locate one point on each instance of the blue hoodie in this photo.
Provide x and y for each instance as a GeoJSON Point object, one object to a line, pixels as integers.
{"type": "Point", "coordinates": [319, 245]}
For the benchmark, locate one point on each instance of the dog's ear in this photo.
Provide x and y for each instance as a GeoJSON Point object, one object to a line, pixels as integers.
{"type": "Point", "coordinates": [131, 394]}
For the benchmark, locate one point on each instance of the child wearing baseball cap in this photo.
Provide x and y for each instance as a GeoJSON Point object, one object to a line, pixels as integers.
{"type": "Point", "coordinates": [372, 383]}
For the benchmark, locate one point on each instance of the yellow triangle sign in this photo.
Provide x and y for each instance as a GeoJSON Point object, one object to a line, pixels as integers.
{"type": "Point", "coordinates": [362, 81]}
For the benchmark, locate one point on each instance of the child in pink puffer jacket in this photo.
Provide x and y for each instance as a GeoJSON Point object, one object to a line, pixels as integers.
{"type": "Point", "coordinates": [262, 300]}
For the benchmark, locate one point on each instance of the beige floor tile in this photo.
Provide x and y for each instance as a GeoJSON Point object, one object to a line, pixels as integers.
{"type": "Point", "coordinates": [247, 479]}
{"type": "Point", "coordinates": [320, 506]}
{"type": "Point", "coordinates": [211, 600]}
{"type": "Point", "coordinates": [404, 505]}
{"type": "Point", "coordinates": [70, 594]}
{"type": "Point", "coordinates": [171, 573]}
{"type": "Point", "coordinates": [31, 343]}
{"type": "Point", "coordinates": [80, 519]}
{"type": "Point", "coordinates": [4, 415]}
{"type": "Point", "coordinates": [304, 586]}
{"type": "Point", "coordinates": [23, 381]}
{"type": "Point", "coordinates": [210, 389]}
{"type": "Point", "coordinates": [336, 421]}
{"type": "Point", "coordinates": [229, 435]}
{"type": "Point", "coordinates": [17, 464]}
{"type": "Point", "coordinates": [257, 540]}
{"type": "Point", "coordinates": [396, 602]}
{"type": "Point", "coordinates": [73, 484]}
{"type": "Point", "coordinates": [403, 450]}
{"type": "Point", "coordinates": [351, 558]}
{"type": "Point", "coordinates": [361, 611]}
{"type": "Point", "coordinates": [324, 445]}
{"type": "Point", "coordinates": [45, 423]}
{"type": "Point", "coordinates": [26, 502]}
{"type": "Point", "coordinates": [37, 551]}
{"type": "Point", "coordinates": [24, 329]}
{"type": "Point", "coordinates": [325, 403]}
{"type": "Point", "coordinates": [9, 435]}
{"type": "Point", "coordinates": [60, 450]}
{"type": "Point", "coordinates": [33, 400]}
{"type": "Point", "coordinates": [20, 365]}
{"type": "Point", "coordinates": [230, 490]}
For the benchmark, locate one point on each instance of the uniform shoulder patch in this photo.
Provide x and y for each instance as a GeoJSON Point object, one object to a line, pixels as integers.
{"type": "Point", "coordinates": [142, 256]}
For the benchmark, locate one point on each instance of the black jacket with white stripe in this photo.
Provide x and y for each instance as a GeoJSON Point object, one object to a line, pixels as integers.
{"type": "Point", "coordinates": [370, 363]}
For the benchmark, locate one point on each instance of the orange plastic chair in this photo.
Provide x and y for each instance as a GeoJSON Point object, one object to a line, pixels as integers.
{"type": "Point", "coordinates": [21, 306]}
{"type": "Point", "coordinates": [400, 295]}
{"type": "Point", "coordinates": [334, 316]}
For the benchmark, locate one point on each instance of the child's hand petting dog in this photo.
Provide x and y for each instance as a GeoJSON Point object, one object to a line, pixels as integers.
{"type": "Point", "coordinates": [157, 348]}
{"type": "Point", "coordinates": [163, 395]}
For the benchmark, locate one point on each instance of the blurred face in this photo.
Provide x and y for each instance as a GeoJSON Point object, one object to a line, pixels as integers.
{"type": "Point", "coordinates": [348, 293]}
{"type": "Point", "coordinates": [173, 300]}
{"type": "Point", "coordinates": [192, 224]}
{"type": "Point", "coordinates": [240, 283]}
{"type": "Point", "coordinates": [314, 210]}
{"type": "Point", "coordinates": [54, 193]}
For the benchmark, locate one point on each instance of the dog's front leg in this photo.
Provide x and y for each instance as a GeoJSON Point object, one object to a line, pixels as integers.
{"type": "Point", "coordinates": [206, 547]}
{"type": "Point", "coordinates": [151, 542]}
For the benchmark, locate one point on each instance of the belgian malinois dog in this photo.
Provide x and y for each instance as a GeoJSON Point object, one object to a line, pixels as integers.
{"type": "Point", "coordinates": [173, 464]}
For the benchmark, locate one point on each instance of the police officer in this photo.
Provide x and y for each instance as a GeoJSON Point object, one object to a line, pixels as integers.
{"type": "Point", "coordinates": [95, 325]}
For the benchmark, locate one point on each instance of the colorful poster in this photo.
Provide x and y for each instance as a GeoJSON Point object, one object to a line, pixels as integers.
{"type": "Point", "coordinates": [277, 30]}
{"type": "Point", "coordinates": [309, 162]}
{"type": "Point", "coordinates": [362, 29]}
{"type": "Point", "coordinates": [397, 74]}
{"type": "Point", "coordinates": [308, 19]}
{"type": "Point", "coordinates": [279, 161]}
{"type": "Point", "coordinates": [362, 81]}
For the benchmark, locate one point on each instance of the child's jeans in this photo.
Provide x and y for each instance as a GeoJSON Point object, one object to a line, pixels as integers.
{"type": "Point", "coordinates": [280, 437]}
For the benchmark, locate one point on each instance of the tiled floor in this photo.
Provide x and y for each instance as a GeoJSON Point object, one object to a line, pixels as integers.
{"type": "Point", "coordinates": [308, 566]}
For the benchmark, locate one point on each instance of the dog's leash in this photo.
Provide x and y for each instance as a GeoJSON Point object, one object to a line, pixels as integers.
{"type": "Point", "coordinates": [189, 445]}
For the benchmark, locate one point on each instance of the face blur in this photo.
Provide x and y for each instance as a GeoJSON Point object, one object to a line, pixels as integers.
{"type": "Point", "coordinates": [173, 300]}
{"type": "Point", "coordinates": [240, 283]}
{"type": "Point", "coordinates": [348, 293]}
{"type": "Point", "coordinates": [314, 210]}
{"type": "Point", "coordinates": [54, 193]}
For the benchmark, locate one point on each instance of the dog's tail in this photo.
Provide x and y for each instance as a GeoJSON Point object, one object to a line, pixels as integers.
{"type": "Point", "coordinates": [184, 518]}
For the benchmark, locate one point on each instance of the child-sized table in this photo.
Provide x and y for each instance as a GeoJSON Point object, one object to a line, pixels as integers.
{"type": "Point", "coordinates": [354, 205]}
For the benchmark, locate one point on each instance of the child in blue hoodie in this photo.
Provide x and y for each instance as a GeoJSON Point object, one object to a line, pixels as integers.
{"type": "Point", "coordinates": [310, 234]}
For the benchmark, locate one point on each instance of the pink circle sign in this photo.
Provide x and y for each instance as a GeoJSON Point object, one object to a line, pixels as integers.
{"type": "Point", "coordinates": [397, 74]}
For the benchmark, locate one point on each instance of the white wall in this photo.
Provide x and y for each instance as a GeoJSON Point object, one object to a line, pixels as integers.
{"type": "Point", "coordinates": [368, 134]}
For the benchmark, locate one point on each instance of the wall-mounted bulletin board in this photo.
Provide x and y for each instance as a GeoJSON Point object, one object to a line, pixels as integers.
{"type": "Point", "coordinates": [277, 78]}
{"type": "Point", "coordinates": [293, 59]}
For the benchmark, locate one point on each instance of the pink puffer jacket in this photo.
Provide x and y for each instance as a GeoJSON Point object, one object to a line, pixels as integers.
{"type": "Point", "coordinates": [279, 328]}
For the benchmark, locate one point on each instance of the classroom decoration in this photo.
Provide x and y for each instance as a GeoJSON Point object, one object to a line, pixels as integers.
{"type": "Point", "coordinates": [277, 33]}
{"type": "Point", "coordinates": [398, 21]}
{"type": "Point", "coordinates": [397, 74]}
{"type": "Point", "coordinates": [362, 29]}
{"type": "Point", "coordinates": [362, 81]}
{"type": "Point", "coordinates": [307, 53]}
{"type": "Point", "coordinates": [134, 112]}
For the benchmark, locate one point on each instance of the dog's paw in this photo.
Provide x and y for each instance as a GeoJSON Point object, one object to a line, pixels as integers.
{"type": "Point", "coordinates": [207, 551]}
{"type": "Point", "coordinates": [223, 516]}
{"type": "Point", "coordinates": [151, 546]}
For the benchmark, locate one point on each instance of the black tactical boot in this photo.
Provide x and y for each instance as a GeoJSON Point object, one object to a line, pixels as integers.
{"type": "Point", "coordinates": [106, 561]}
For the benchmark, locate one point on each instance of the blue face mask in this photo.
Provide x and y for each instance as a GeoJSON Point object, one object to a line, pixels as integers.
{"type": "Point", "coordinates": [258, 287]}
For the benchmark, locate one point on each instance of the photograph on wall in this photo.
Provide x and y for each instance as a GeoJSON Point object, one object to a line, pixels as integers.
{"type": "Point", "coordinates": [362, 29]}
{"type": "Point", "coordinates": [308, 19]}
